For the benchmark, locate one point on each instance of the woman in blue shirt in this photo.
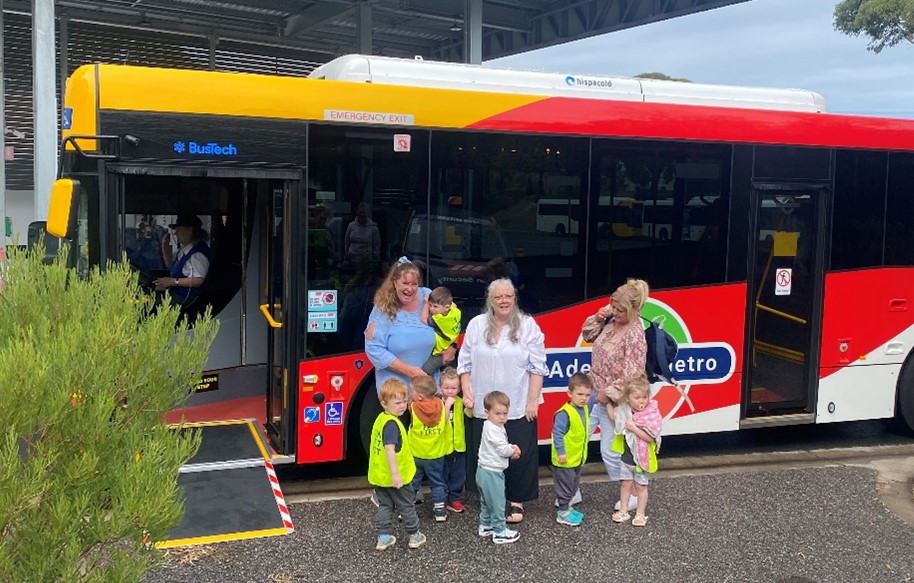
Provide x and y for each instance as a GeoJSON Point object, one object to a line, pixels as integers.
{"type": "Point", "coordinates": [397, 341]}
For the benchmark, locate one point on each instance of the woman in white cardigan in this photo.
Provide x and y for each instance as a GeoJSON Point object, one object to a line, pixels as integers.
{"type": "Point", "coordinates": [503, 349]}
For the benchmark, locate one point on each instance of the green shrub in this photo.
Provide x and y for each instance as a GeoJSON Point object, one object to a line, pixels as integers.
{"type": "Point", "coordinates": [88, 467]}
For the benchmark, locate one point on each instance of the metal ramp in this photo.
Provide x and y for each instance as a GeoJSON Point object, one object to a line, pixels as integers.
{"type": "Point", "coordinates": [230, 488]}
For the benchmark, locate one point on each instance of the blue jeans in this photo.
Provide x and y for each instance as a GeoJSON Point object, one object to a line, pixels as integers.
{"type": "Point", "coordinates": [491, 485]}
{"type": "Point", "coordinates": [455, 474]}
{"type": "Point", "coordinates": [434, 470]}
{"type": "Point", "coordinates": [611, 459]}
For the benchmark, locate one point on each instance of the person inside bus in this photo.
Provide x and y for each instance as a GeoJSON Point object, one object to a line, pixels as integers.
{"type": "Point", "coordinates": [363, 239]}
{"type": "Point", "coordinates": [619, 352]}
{"type": "Point", "coordinates": [191, 264]}
{"type": "Point", "coordinates": [504, 349]}
{"type": "Point", "coordinates": [397, 341]}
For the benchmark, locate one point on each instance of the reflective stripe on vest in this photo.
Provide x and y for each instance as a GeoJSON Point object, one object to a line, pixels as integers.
{"type": "Point", "coordinates": [454, 431]}
{"type": "Point", "coordinates": [378, 470]}
{"type": "Point", "coordinates": [575, 438]}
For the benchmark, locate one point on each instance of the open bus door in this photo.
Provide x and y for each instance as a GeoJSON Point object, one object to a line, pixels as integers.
{"type": "Point", "coordinates": [785, 304]}
{"type": "Point", "coordinates": [230, 487]}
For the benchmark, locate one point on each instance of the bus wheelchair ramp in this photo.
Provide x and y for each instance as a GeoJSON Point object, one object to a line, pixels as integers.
{"type": "Point", "coordinates": [230, 488]}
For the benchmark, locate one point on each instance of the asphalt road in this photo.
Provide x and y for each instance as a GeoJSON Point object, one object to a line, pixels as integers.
{"type": "Point", "coordinates": [820, 520]}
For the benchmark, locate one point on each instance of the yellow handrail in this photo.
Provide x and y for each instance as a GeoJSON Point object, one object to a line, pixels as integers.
{"type": "Point", "coordinates": [265, 308]}
{"type": "Point", "coordinates": [780, 313]}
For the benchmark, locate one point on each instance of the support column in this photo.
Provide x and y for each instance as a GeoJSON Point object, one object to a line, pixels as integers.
{"type": "Point", "coordinates": [472, 29]}
{"type": "Point", "coordinates": [44, 100]}
{"type": "Point", "coordinates": [364, 40]}
{"type": "Point", "coordinates": [2, 151]}
{"type": "Point", "coordinates": [213, 43]}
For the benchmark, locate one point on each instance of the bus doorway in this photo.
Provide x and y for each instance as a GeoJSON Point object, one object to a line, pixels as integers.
{"type": "Point", "coordinates": [784, 305]}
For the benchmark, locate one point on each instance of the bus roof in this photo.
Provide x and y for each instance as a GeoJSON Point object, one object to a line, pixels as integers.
{"type": "Point", "coordinates": [441, 75]}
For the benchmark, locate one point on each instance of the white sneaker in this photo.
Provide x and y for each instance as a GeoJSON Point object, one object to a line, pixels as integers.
{"type": "Point", "coordinates": [576, 499]}
{"type": "Point", "coordinates": [632, 504]}
{"type": "Point", "coordinates": [506, 536]}
{"type": "Point", "coordinates": [485, 530]}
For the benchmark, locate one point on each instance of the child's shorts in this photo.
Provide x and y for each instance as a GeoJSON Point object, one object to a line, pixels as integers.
{"type": "Point", "coordinates": [627, 472]}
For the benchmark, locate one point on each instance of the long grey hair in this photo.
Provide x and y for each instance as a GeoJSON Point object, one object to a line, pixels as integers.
{"type": "Point", "coordinates": [514, 320]}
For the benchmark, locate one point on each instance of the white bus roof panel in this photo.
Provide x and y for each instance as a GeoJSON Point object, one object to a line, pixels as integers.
{"type": "Point", "coordinates": [441, 75]}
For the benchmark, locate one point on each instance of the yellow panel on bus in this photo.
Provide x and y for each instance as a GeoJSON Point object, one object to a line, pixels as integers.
{"type": "Point", "coordinates": [236, 94]}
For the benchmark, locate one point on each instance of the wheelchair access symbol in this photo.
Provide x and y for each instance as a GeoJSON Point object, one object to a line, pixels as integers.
{"type": "Point", "coordinates": [333, 413]}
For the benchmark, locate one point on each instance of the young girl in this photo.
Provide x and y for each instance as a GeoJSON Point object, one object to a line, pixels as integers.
{"type": "Point", "coordinates": [638, 423]}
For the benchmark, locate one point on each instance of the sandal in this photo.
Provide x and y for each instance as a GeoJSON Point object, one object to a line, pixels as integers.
{"type": "Point", "coordinates": [640, 520]}
{"type": "Point", "coordinates": [621, 516]}
{"type": "Point", "coordinates": [516, 515]}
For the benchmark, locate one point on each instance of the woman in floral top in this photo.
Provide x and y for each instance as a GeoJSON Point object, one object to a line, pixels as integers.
{"type": "Point", "coordinates": [619, 352]}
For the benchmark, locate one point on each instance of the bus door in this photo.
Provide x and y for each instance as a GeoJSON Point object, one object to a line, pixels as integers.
{"type": "Point", "coordinates": [279, 286]}
{"type": "Point", "coordinates": [784, 304]}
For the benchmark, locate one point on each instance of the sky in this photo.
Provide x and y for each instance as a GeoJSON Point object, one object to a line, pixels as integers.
{"type": "Point", "coordinates": [763, 43]}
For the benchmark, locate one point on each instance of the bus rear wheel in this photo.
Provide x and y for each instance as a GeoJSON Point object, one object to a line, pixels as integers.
{"type": "Point", "coordinates": [904, 411]}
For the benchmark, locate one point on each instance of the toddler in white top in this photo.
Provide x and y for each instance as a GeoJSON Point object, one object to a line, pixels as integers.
{"type": "Point", "coordinates": [494, 453]}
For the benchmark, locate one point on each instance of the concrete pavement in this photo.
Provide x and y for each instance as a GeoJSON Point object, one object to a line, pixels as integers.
{"type": "Point", "coordinates": [818, 515]}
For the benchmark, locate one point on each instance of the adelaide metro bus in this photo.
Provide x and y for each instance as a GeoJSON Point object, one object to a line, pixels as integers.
{"type": "Point", "coordinates": [810, 323]}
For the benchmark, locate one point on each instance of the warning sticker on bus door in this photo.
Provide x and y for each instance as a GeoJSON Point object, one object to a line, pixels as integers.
{"type": "Point", "coordinates": [782, 280]}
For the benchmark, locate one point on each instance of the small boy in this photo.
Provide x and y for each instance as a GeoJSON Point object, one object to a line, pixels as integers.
{"type": "Point", "coordinates": [494, 452]}
{"type": "Point", "coordinates": [455, 460]}
{"type": "Point", "coordinates": [390, 466]}
{"type": "Point", "coordinates": [445, 320]}
{"type": "Point", "coordinates": [569, 447]}
{"type": "Point", "coordinates": [427, 440]}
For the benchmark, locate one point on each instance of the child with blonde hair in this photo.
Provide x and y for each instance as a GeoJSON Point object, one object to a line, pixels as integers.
{"type": "Point", "coordinates": [391, 466]}
{"type": "Point", "coordinates": [455, 458]}
{"type": "Point", "coordinates": [638, 424]}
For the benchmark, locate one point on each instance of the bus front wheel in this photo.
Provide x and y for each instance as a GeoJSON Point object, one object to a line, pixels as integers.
{"type": "Point", "coordinates": [904, 411]}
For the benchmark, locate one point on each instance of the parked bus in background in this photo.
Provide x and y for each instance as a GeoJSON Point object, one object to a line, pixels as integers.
{"type": "Point", "coordinates": [277, 168]}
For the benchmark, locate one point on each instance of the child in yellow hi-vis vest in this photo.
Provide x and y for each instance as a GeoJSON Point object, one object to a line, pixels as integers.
{"type": "Point", "coordinates": [391, 467]}
{"type": "Point", "coordinates": [427, 440]}
{"type": "Point", "coordinates": [638, 424]}
{"type": "Point", "coordinates": [569, 447]}
{"type": "Point", "coordinates": [455, 460]}
{"type": "Point", "coordinates": [443, 316]}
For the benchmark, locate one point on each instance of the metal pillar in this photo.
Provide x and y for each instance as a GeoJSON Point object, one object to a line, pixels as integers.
{"type": "Point", "coordinates": [2, 152]}
{"type": "Point", "coordinates": [213, 43]}
{"type": "Point", "coordinates": [44, 100]}
{"type": "Point", "coordinates": [472, 30]}
{"type": "Point", "coordinates": [63, 62]}
{"type": "Point", "coordinates": [364, 39]}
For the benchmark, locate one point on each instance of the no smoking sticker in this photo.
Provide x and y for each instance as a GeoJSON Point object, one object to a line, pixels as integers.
{"type": "Point", "coordinates": [782, 279]}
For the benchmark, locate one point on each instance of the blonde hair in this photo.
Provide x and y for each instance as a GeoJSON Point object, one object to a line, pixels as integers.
{"type": "Point", "coordinates": [424, 385]}
{"type": "Point", "coordinates": [631, 296]}
{"type": "Point", "coordinates": [448, 373]}
{"type": "Point", "coordinates": [385, 299]}
{"type": "Point", "coordinates": [635, 384]}
{"type": "Point", "coordinates": [514, 320]}
{"type": "Point", "coordinates": [496, 398]}
{"type": "Point", "coordinates": [391, 389]}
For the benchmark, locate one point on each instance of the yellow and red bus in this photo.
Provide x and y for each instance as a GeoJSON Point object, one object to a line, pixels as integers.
{"type": "Point", "coordinates": [448, 163]}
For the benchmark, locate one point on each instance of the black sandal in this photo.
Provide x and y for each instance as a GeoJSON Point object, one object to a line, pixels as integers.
{"type": "Point", "coordinates": [516, 515]}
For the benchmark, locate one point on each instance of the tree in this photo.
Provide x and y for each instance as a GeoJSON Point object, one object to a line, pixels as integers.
{"type": "Point", "coordinates": [88, 467]}
{"type": "Point", "coordinates": [885, 22]}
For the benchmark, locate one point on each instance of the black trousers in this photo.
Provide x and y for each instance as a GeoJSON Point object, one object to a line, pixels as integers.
{"type": "Point", "coordinates": [522, 475]}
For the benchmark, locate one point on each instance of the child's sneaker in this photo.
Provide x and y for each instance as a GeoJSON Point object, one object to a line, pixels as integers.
{"type": "Point", "coordinates": [440, 513]}
{"type": "Point", "coordinates": [576, 512]}
{"type": "Point", "coordinates": [455, 506]}
{"type": "Point", "coordinates": [385, 541]}
{"type": "Point", "coordinates": [568, 517]}
{"type": "Point", "coordinates": [416, 540]}
{"type": "Point", "coordinates": [485, 530]}
{"type": "Point", "coordinates": [632, 504]}
{"type": "Point", "coordinates": [506, 536]}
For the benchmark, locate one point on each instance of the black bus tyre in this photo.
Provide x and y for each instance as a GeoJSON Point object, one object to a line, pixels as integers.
{"type": "Point", "coordinates": [368, 410]}
{"type": "Point", "coordinates": [904, 410]}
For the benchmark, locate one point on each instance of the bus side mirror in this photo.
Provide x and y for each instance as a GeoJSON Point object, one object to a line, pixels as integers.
{"type": "Point", "coordinates": [63, 208]}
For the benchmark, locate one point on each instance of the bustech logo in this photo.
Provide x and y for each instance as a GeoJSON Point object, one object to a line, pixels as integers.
{"type": "Point", "coordinates": [207, 149]}
{"type": "Point", "coordinates": [697, 363]}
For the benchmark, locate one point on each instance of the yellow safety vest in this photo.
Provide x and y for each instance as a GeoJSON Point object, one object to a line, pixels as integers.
{"type": "Point", "coordinates": [454, 433]}
{"type": "Point", "coordinates": [378, 469]}
{"type": "Point", "coordinates": [428, 442]}
{"type": "Point", "coordinates": [618, 446]}
{"type": "Point", "coordinates": [575, 439]}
